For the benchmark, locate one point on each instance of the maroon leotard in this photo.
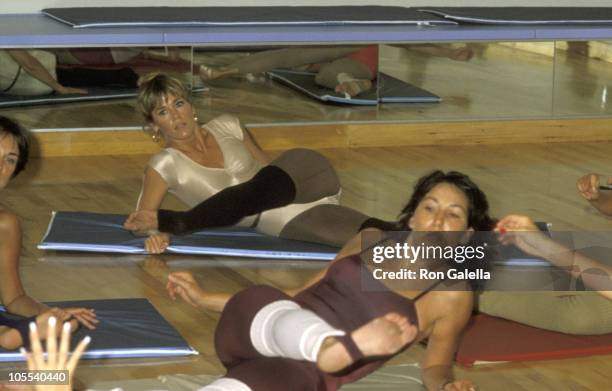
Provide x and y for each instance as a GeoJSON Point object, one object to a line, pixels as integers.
{"type": "Point", "coordinates": [338, 298]}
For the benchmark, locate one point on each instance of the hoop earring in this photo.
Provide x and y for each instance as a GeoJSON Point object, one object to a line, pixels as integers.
{"type": "Point", "coordinates": [153, 132]}
{"type": "Point", "coordinates": [156, 137]}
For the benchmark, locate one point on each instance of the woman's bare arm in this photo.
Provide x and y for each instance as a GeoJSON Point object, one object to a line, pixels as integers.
{"type": "Point", "coordinates": [12, 294]}
{"type": "Point", "coordinates": [452, 312]}
{"type": "Point", "coordinates": [31, 65]}
{"type": "Point", "coordinates": [520, 231]}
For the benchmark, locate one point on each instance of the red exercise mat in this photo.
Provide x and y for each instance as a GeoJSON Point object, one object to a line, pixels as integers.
{"type": "Point", "coordinates": [489, 339]}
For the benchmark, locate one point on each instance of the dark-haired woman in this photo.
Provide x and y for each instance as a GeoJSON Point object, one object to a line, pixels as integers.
{"type": "Point", "coordinates": [219, 171]}
{"type": "Point", "coordinates": [13, 158]}
{"type": "Point", "coordinates": [334, 330]}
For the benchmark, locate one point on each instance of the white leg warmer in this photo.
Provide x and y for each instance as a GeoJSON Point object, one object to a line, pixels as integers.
{"type": "Point", "coordinates": [284, 329]}
{"type": "Point", "coordinates": [226, 384]}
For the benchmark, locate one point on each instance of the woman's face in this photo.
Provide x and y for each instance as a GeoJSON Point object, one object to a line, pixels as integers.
{"type": "Point", "coordinates": [9, 156]}
{"type": "Point", "coordinates": [174, 118]}
{"type": "Point", "coordinates": [444, 208]}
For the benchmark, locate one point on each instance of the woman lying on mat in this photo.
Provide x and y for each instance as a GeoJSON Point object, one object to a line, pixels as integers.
{"type": "Point", "coordinates": [573, 312]}
{"type": "Point", "coordinates": [345, 69]}
{"type": "Point", "coordinates": [597, 189]}
{"type": "Point", "coordinates": [334, 330]}
{"type": "Point", "coordinates": [13, 158]}
{"type": "Point", "coordinates": [219, 171]}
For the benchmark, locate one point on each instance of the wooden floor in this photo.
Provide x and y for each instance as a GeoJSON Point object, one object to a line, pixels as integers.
{"type": "Point", "coordinates": [534, 179]}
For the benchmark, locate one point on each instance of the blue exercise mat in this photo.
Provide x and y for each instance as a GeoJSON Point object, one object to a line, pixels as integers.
{"type": "Point", "coordinates": [390, 89]}
{"type": "Point", "coordinates": [96, 232]}
{"type": "Point", "coordinates": [93, 94]}
{"type": "Point", "coordinates": [81, 17]}
{"type": "Point", "coordinates": [128, 328]}
{"type": "Point", "coordinates": [524, 15]}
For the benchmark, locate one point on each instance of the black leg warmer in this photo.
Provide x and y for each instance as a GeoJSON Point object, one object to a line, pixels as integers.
{"type": "Point", "coordinates": [270, 188]}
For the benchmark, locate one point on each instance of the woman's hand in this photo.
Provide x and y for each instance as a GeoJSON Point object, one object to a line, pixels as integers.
{"type": "Point", "coordinates": [63, 90]}
{"type": "Point", "coordinates": [183, 284]}
{"type": "Point", "coordinates": [588, 187]}
{"type": "Point", "coordinates": [85, 316]}
{"type": "Point", "coordinates": [56, 360]}
{"type": "Point", "coordinates": [141, 221]}
{"type": "Point", "coordinates": [522, 232]}
{"type": "Point", "coordinates": [157, 243]}
{"type": "Point", "coordinates": [459, 385]}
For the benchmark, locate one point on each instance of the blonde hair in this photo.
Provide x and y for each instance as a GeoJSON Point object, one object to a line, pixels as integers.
{"type": "Point", "coordinates": [153, 87]}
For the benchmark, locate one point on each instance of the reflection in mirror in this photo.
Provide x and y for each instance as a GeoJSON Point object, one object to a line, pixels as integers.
{"type": "Point", "coordinates": [290, 84]}
{"type": "Point", "coordinates": [473, 80]}
{"type": "Point", "coordinates": [583, 73]}
{"type": "Point", "coordinates": [98, 83]}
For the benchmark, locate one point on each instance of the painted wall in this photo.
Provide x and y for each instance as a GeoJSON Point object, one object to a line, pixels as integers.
{"type": "Point", "coordinates": [30, 6]}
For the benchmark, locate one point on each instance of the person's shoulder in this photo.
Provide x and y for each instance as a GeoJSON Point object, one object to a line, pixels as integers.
{"type": "Point", "coordinates": [226, 125]}
{"type": "Point", "coordinates": [164, 161]}
{"type": "Point", "coordinates": [162, 155]}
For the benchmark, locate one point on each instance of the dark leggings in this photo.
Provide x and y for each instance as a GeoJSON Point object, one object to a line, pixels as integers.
{"type": "Point", "coordinates": [297, 176]}
{"type": "Point", "coordinates": [88, 77]}
{"type": "Point", "coordinates": [235, 349]}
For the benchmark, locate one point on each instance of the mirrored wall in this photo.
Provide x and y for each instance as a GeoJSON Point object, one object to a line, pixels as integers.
{"type": "Point", "coordinates": [313, 84]}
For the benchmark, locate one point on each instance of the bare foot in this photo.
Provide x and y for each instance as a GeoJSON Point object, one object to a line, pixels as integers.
{"type": "Point", "coordinates": [354, 87]}
{"type": "Point", "coordinates": [382, 336]}
{"type": "Point", "coordinates": [210, 73]}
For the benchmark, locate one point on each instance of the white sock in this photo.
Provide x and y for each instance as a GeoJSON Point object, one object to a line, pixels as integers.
{"type": "Point", "coordinates": [284, 329]}
{"type": "Point", "coordinates": [226, 384]}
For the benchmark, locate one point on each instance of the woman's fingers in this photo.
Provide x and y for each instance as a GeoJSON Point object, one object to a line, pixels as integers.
{"type": "Point", "coordinates": [142, 220]}
{"type": "Point", "coordinates": [76, 355]}
{"type": "Point", "coordinates": [51, 342]}
{"type": "Point", "coordinates": [86, 317]}
{"type": "Point", "coordinates": [64, 345]}
{"type": "Point", "coordinates": [157, 244]}
{"type": "Point", "coordinates": [36, 347]}
{"type": "Point", "coordinates": [588, 186]}
{"type": "Point", "coordinates": [182, 275]}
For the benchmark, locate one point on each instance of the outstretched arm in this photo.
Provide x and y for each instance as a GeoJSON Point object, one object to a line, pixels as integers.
{"type": "Point", "coordinates": [183, 285]}
{"type": "Point", "coordinates": [523, 233]}
{"type": "Point", "coordinates": [31, 65]}
{"type": "Point", "coordinates": [452, 312]}
{"type": "Point", "coordinates": [12, 294]}
{"type": "Point", "coordinates": [152, 193]}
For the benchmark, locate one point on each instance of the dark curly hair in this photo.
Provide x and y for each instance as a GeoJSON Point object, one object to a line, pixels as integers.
{"type": "Point", "coordinates": [9, 126]}
{"type": "Point", "coordinates": [478, 206]}
{"type": "Point", "coordinates": [478, 214]}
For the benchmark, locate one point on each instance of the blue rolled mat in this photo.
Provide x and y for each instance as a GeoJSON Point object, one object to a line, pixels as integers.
{"type": "Point", "coordinates": [82, 17]}
{"type": "Point", "coordinates": [524, 15]}
{"type": "Point", "coordinates": [97, 232]}
{"type": "Point", "coordinates": [128, 328]}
